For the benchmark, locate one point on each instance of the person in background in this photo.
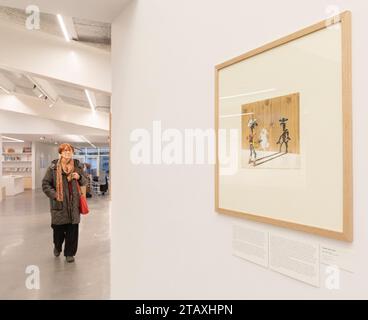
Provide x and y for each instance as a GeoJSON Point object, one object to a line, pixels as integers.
{"type": "Point", "coordinates": [103, 180]}
{"type": "Point", "coordinates": [102, 177]}
{"type": "Point", "coordinates": [86, 169]}
{"type": "Point", "coordinates": [60, 185]}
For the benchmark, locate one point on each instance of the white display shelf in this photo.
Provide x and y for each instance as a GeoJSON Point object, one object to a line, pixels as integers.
{"type": "Point", "coordinates": [13, 161]}
{"type": "Point", "coordinates": [23, 174]}
{"type": "Point", "coordinates": [17, 160]}
{"type": "Point", "coordinates": [18, 154]}
{"type": "Point", "coordinates": [14, 184]}
{"type": "Point", "coordinates": [18, 172]}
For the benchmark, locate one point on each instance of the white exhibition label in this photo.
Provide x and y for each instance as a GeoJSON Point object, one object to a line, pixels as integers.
{"type": "Point", "coordinates": [294, 258]}
{"type": "Point", "coordinates": [342, 258]}
{"type": "Point", "coordinates": [250, 244]}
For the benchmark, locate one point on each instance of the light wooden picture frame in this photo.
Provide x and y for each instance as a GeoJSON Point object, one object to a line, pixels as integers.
{"type": "Point", "coordinates": [315, 65]}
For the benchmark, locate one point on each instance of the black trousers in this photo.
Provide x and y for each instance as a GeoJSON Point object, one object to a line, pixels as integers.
{"type": "Point", "coordinates": [69, 233]}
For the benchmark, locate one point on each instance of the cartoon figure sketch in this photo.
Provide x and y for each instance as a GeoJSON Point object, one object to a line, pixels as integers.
{"type": "Point", "coordinates": [252, 123]}
{"type": "Point", "coordinates": [264, 139]}
{"type": "Point", "coordinates": [284, 137]}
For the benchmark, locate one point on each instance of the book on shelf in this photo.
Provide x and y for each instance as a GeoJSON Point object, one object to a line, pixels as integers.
{"type": "Point", "coordinates": [16, 151]}
{"type": "Point", "coordinates": [17, 169]}
{"type": "Point", "coordinates": [17, 157]}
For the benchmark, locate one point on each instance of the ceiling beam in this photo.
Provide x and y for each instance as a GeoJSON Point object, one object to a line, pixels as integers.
{"type": "Point", "coordinates": [45, 86]}
{"type": "Point", "coordinates": [16, 123]}
{"type": "Point", "coordinates": [60, 111]}
{"type": "Point", "coordinates": [5, 84]}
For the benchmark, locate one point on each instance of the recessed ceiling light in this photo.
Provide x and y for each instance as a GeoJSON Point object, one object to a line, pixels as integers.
{"type": "Point", "coordinates": [89, 142]}
{"type": "Point", "coordinates": [63, 27]}
{"type": "Point", "coordinates": [89, 98]}
{"type": "Point", "coordinates": [12, 139]}
{"type": "Point", "coordinates": [5, 90]}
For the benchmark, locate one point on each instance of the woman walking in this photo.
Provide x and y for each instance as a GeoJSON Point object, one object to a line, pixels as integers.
{"type": "Point", "coordinates": [60, 184]}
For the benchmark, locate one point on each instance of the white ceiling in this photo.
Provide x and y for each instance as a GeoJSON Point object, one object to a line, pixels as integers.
{"type": "Point", "coordinates": [92, 33]}
{"type": "Point", "coordinates": [97, 10]}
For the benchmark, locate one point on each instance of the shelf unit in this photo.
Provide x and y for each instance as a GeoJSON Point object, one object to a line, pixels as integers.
{"type": "Point", "coordinates": [17, 160]}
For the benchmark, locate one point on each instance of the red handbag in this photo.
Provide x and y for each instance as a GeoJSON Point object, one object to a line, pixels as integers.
{"type": "Point", "coordinates": [83, 205]}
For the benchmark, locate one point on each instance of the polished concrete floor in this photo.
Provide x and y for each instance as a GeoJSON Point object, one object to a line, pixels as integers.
{"type": "Point", "coordinates": [26, 240]}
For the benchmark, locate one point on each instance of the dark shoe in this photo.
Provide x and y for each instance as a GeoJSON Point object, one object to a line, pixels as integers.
{"type": "Point", "coordinates": [56, 252]}
{"type": "Point", "coordinates": [69, 259]}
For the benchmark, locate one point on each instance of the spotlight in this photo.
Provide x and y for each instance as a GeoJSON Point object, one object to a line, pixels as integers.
{"type": "Point", "coordinates": [41, 93]}
{"type": "Point", "coordinates": [37, 91]}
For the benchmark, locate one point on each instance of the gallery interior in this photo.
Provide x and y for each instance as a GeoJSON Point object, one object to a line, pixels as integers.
{"type": "Point", "coordinates": [123, 81]}
{"type": "Point", "coordinates": [44, 103]}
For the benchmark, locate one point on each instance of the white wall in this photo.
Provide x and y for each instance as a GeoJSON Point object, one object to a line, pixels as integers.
{"type": "Point", "coordinates": [46, 152]}
{"type": "Point", "coordinates": [167, 240]}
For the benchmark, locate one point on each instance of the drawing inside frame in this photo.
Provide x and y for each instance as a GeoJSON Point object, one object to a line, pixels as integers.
{"type": "Point", "coordinates": [270, 133]}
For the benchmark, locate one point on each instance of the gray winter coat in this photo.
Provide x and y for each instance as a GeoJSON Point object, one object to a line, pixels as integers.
{"type": "Point", "coordinates": [66, 211]}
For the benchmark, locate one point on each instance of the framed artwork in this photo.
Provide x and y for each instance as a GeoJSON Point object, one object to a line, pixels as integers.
{"type": "Point", "coordinates": [284, 132]}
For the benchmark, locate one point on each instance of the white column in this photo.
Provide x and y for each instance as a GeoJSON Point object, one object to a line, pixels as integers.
{"type": "Point", "coordinates": [33, 166]}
